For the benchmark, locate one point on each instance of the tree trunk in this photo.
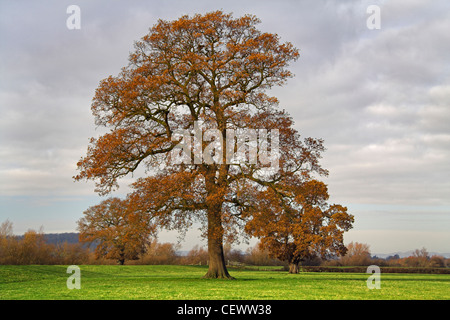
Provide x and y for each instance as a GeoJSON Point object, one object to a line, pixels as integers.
{"type": "Point", "coordinates": [293, 267]}
{"type": "Point", "coordinates": [121, 256]}
{"type": "Point", "coordinates": [217, 267]}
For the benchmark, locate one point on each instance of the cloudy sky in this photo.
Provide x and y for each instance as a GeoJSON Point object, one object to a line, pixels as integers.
{"type": "Point", "coordinates": [380, 98]}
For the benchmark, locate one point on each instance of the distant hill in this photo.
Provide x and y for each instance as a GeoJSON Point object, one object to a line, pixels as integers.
{"type": "Point", "coordinates": [60, 238]}
{"type": "Point", "coordinates": [57, 238]}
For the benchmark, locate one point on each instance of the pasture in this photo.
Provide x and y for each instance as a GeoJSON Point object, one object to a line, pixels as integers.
{"type": "Point", "coordinates": [159, 282]}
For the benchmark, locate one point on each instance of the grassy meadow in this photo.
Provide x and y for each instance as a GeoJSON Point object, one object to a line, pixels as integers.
{"type": "Point", "coordinates": [48, 282]}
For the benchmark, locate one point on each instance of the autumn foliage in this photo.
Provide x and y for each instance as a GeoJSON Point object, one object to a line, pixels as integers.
{"type": "Point", "coordinates": [119, 231]}
{"type": "Point", "coordinates": [216, 69]}
{"type": "Point", "coordinates": [32, 248]}
{"type": "Point", "coordinates": [295, 222]}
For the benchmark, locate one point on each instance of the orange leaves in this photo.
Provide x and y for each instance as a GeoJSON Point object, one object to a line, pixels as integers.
{"type": "Point", "coordinates": [339, 217]}
{"type": "Point", "coordinates": [172, 200]}
{"type": "Point", "coordinates": [300, 225]}
{"type": "Point", "coordinates": [121, 230]}
{"type": "Point", "coordinates": [223, 52]}
{"type": "Point", "coordinates": [312, 193]}
{"type": "Point", "coordinates": [199, 67]}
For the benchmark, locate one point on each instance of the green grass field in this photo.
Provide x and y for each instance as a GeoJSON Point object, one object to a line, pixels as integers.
{"type": "Point", "coordinates": [185, 283]}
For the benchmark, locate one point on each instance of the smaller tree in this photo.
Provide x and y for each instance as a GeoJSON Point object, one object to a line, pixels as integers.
{"type": "Point", "coordinates": [437, 261]}
{"type": "Point", "coordinates": [421, 255]}
{"type": "Point", "coordinates": [295, 223]}
{"type": "Point", "coordinates": [6, 239]}
{"type": "Point", "coordinates": [358, 254]}
{"type": "Point", "coordinates": [197, 256]}
{"type": "Point", "coordinates": [33, 249]}
{"type": "Point", "coordinates": [6, 229]}
{"type": "Point", "coordinates": [260, 256]}
{"type": "Point", "coordinates": [121, 230]}
{"type": "Point", "coordinates": [160, 253]}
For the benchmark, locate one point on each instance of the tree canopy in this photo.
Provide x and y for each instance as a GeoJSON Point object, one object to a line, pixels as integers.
{"type": "Point", "coordinates": [298, 224]}
{"type": "Point", "coordinates": [120, 231]}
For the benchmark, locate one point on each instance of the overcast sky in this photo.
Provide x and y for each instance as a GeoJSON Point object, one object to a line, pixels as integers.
{"type": "Point", "coordinates": [380, 98]}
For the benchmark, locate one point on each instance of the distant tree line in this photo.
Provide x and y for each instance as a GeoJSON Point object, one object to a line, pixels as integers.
{"type": "Point", "coordinates": [358, 254]}
{"type": "Point", "coordinates": [35, 247]}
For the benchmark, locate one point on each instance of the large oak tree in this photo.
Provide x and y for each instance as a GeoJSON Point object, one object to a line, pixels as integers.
{"type": "Point", "coordinates": [212, 68]}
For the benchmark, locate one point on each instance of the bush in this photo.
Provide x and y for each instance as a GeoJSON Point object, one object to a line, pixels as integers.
{"type": "Point", "coordinates": [260, 257]}
{"type": "Point", "coordinates": [361, 269]}
{"type": "Point", "coordinates": [196, 256]}
{"type": "Point", "coordinates": [32, 248]}
{"type": "Point", "coordinates": [159, 253]}
{"type": "Point", "coordinates": [358, 254]}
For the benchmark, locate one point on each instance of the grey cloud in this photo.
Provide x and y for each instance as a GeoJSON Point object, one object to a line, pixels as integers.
{"type": "Point", "coordinates": [381, 104]}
